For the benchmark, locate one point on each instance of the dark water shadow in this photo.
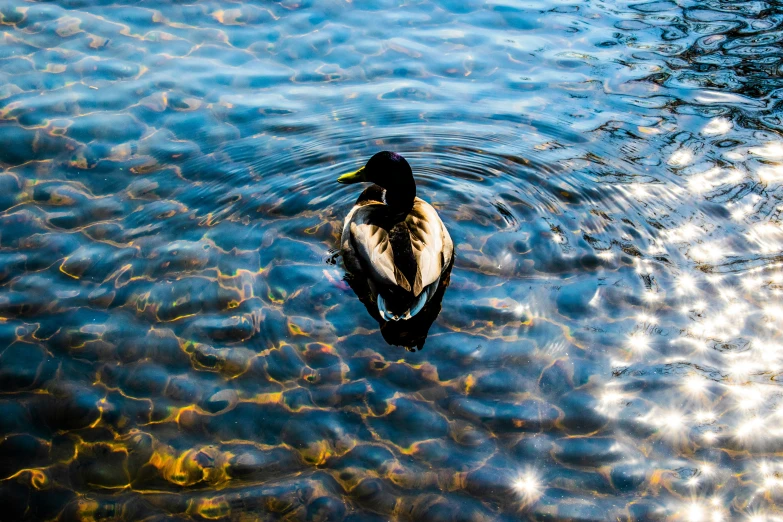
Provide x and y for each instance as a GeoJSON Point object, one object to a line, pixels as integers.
{"type": "Point", "coordinates": [410, 334]}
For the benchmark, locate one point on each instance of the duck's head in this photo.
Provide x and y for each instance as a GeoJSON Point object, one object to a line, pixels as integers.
{"type": "Point", "coordinates": [390, 171]}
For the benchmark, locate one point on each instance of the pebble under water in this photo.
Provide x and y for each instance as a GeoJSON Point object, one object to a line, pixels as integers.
{"type": "Point", "coordinates": [177, 337]}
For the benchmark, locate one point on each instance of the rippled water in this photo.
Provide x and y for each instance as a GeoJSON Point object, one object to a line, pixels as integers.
{"type": "Point", "coordinates": [176, 334]}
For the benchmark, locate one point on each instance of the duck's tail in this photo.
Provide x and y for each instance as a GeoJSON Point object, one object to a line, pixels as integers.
{"type": "Point", "coordinates": [390, 312]}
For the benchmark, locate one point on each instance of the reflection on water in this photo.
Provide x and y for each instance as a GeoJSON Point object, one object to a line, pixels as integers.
{"type": "Point", "coordinates": [412, 333]}
{"type": "Point", "coordinates": [176, 338]}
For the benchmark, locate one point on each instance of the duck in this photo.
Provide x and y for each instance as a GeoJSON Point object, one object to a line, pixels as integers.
{"type": "Point", "coordinates": [394, 239]}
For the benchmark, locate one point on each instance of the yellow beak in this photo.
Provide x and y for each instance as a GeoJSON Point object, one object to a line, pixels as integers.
{"type": "Point", "coordinates": [353, 177]}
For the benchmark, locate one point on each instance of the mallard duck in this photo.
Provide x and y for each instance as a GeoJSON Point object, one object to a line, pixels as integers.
{"type": "Point", "coordinates": [394, 239]}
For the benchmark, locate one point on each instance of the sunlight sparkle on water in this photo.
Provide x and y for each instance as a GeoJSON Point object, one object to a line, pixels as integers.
{"type": "Point", "coordinates": [528, 486]}
{"type": "Point", "coordinates": [696, 513]}
{"type": "Point", "coordinates": [647, 318]}
{"type": "Point", "coordinates": [773, 312]}
{"type": "Point", "coordinates": [670, 423]}
{"type": "Point", "coordinates": [739, 213]}
{"type": "Point", "coordinates": [686, 284]}
{"type": "Point", "coordinates": [697, 344]}
{"type": "Point", "coordinates": [709, 252]}
{"type": "Point", "coordinates": [695, 385]}
{"type": "Point", "coordinates": [681, 157]}
{"type": "Point", "coordinates": [770, 353]}
{"type": "Point", "coordinates": [733, 176]}
{"type": "Point", "coordinates": [727, 294]}
{"type": "Point", "coordinates": [610, 402]}
{"type": "Point", "coordinates": [673, 420]}
{"type": "Point", "coordinates": [717, 126]}
{"type": "Point", "coordinates": [699, 184]}
{"type": "Point", "coordinates": [769, 174]}
{"type": "Point", "coordinates": [771, 474]}
{"type": "Point", "coordinates": [684, 233]}
{"type": "Point", "coordinates": [741, 366]}
{"type": "Point", "coordinates": [752, 428]}
{"type": "Point", "coordinates": [752, 282]}
{"type": "Point", "coordinates": [639, 342]}
{"type": "Point", "coordinates": [709, 436]}
{"type": "Point", "coordinates": [771, 150]}
{"type": "Point", "coordinates": [768, 236]}
{"type": "Point", "coordinates": [639, 191]}
{"type": "Point", "coordinates": [749, 396]}
{"type": "Point", "coordinates": [643, 266]}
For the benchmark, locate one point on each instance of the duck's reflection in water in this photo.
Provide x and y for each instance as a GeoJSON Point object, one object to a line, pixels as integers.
{"type": "Point", "coordinates": [412, 333]}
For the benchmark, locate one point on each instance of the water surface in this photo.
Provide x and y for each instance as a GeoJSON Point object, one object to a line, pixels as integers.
{"type": "Point", "coordinates": [176, 334]}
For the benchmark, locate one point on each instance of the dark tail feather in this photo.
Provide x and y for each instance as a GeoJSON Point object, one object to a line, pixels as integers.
{"type": "Point", "coordinates": [393, 310]}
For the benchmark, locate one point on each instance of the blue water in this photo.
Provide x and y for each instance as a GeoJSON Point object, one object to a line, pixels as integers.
{"type": "Point", "coordinates": [177, 337]}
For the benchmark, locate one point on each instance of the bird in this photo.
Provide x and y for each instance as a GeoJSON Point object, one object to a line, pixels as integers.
{"type": "Point", "coordinates": [394, 239]}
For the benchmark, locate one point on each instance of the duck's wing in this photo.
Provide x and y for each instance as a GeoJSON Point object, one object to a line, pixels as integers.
{"type": "Point", "coordinates": [431, 244]}
{"type": "Point", "coordinates": [372, 246]}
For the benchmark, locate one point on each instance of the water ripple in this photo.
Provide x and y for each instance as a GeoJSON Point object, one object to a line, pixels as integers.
{"type": "Point", "coordinates": [177, 337]}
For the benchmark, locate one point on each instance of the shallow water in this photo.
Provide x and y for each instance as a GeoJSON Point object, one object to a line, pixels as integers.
{"type": "Point", "coordinates": [177, 335]}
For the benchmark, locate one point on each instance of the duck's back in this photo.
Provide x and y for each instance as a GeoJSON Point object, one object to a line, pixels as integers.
{"type": "Point", "coordinates": [396, 254]}
{"type": "Point", "coordinates": [430, 243]}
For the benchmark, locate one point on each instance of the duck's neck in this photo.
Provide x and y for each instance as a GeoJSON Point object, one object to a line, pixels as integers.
{"type": "Point", "coordinates": [400, 195]}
